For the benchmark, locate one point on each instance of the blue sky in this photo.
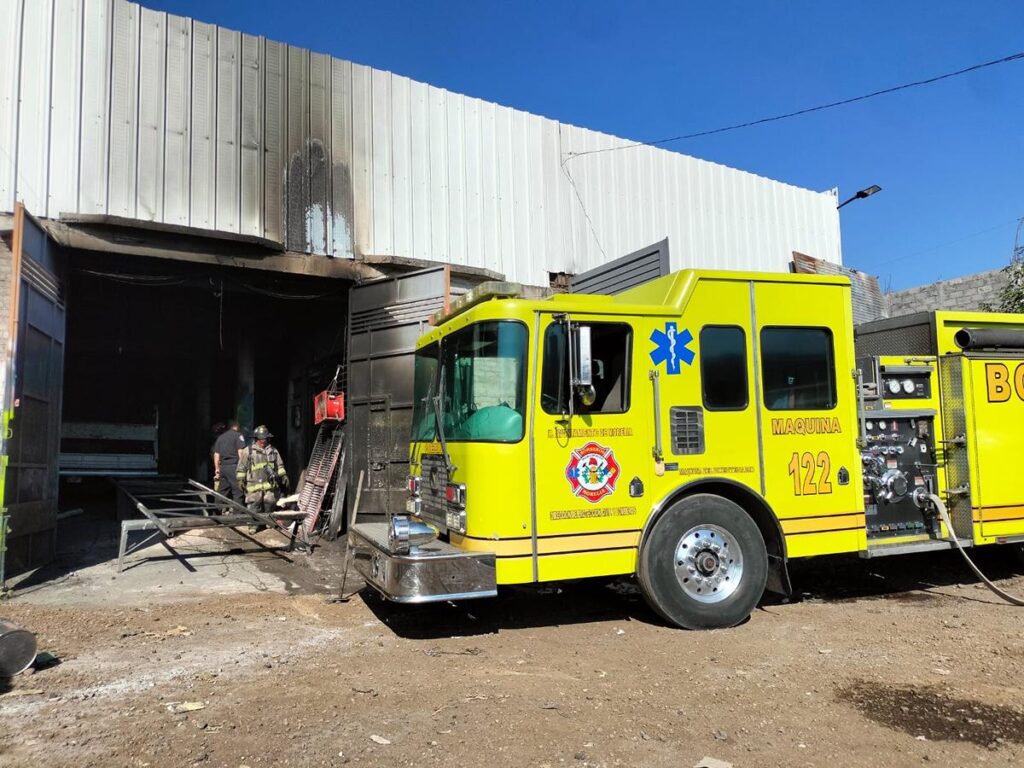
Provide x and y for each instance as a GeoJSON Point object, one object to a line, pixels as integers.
{"type": "Point", "coordinates": [950, 156]}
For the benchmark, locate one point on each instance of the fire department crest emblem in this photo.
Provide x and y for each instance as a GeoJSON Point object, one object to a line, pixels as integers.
{"type": "Point", "coordinates": [592, 472]}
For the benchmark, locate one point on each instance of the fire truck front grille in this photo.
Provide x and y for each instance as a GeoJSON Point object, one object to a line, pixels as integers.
{"type": "Point", "coordinates": [686, 426]}
{"type": "Point", "coordinates": [433, 481]}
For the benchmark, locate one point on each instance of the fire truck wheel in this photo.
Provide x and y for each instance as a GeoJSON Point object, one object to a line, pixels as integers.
{"type": "Point", "coordinates": [1017, 550]}
{"type": "Point", "coordinates": [704, 564]}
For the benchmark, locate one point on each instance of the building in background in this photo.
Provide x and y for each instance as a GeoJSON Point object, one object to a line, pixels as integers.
{"type": "Point", "coordinates": [198, 203]}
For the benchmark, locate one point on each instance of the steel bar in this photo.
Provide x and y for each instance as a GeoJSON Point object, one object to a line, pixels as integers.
{"type": "Point", "coordinates": [156, 520]}
{"type": "Point", "coordinates": [264, 519]}
{"type": "Point", "coordinates": [187, 509]}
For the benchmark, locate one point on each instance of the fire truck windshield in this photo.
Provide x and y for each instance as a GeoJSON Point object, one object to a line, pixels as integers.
{"type": "Point", "coordinates": [484, 390]}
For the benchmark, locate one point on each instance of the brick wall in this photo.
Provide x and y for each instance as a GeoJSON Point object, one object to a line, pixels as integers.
{"type": "Point", "coordinates": [967, 293]}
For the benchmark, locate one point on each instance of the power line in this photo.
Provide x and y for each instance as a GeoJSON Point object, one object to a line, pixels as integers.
{"type": "Point", "coordinates": [579, 198]}
{"type": "Point", "coordinates": [947, 243]}
{"type": "Point", "coordinates": [761, 121]}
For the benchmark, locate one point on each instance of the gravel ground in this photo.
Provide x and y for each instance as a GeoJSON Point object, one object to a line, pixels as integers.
{"type": "Point", "coordinates": [234, 655]}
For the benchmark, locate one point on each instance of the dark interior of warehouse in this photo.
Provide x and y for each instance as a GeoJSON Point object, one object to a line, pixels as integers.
{"type": "Point", "coordinates": [181, 347]}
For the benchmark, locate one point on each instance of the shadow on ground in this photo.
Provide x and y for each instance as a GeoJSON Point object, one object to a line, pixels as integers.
{"type": "Point", "coordinates": [911, 578]}
{"type": "Point", "coordinates": [556, 604]}
{"type": "Point", "coordinates": [92, 539]}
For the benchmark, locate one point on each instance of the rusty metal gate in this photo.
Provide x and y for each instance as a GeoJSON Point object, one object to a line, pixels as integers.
{"type": "Point", "coordinates": [386, 317]}
{"type": "Point", "coordinates": [35, 386]}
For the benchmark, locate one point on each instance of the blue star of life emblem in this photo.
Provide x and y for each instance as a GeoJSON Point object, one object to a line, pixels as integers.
{"type": "Point", "coordinates": [670, 348]}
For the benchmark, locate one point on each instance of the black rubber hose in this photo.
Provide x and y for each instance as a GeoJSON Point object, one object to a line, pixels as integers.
{"type": "Point", "coordinates": [989, 338]}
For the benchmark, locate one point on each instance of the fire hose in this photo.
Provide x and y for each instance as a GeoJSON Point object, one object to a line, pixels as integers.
{"type": "Point", "coordinates": [944, 514]}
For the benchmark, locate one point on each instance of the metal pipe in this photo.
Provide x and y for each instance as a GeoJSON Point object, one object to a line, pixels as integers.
{"type": "Point", "coordinates": [989, 338]}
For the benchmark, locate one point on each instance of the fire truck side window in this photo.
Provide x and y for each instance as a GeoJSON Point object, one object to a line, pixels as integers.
{"type": "Point", "coordinates": [610, 350]}
{"type": "Point", "coordinates": [723, 367]}
{"type": "Point", "coordinates": [798, 369]}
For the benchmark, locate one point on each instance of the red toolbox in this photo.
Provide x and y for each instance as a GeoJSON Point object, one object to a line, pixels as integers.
{"type": "Point", "coordinates": [329, 406]}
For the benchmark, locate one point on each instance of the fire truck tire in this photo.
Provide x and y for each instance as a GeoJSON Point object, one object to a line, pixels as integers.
{"type": "Point", "coordinates": [704, 564]}
{"type": "Point", "coordinates": [1017, 550]}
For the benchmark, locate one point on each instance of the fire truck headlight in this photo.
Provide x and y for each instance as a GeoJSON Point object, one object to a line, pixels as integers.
{"type": "Point", "coordinates": [398, 534]}
{"type": "Point", "coordinates": [404, 534]}
{"type": "Point", "coordinates": [455, 519]}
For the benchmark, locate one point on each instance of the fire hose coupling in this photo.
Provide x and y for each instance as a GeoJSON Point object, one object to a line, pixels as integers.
{"type": "Point", "coordinates": [405, 535]}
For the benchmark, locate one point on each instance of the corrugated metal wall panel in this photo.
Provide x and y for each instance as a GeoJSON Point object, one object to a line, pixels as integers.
{"type": "Point", "coordinates": [275, 126]}
{"type": "Point", "coordinates": [317, 219]}
{"type": "Point", "coordinates": [251, 137]}
{"type": "Point", "coordinates": [419, 169]}
{"type": "Point", "coordinates": [341, 159]}
{"type": "Point", "coordinates": [65, 107]}
{"type": "Point", "coordinates": [362, 148]}
{"type": "Point", "coordinates": [204, 112]}
{"type": "Point", "coordinates": [505, 261]}
{"type": "Point", "coordinates": [177, 121]}
{"type": "Point", "coordinates": [162, 118]}
{"type": "Point", "coordinates": [228, 124]}
{"type": "Point", "coordinates": [34, 110]}
{"type": "Point", "coordinates": [152, 98]}
{"type": "Point", "coordinates": [296, 185]}
{"type": "Point", "coordinates": [454, 104]}
{"type": "Point", "coordinates": [95, 74]}
{"type": "Point", "coordinates": [490, 221]}
{"type": "Point", "coordinates": [401, 167]}
{"type": "Point", "coordinates": [473, 179]}
{"type": "Point", "coordinates": [10, 62]}
{"type": "Point", "coordinates": [382, 203]}
{"type": "Point", "coordinates": [124, 111]}
{"type": "Point", "coordinates": [437, 104]}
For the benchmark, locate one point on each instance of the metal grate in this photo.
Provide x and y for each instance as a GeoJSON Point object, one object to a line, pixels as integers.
{"type": "Point", "coordinates": [320, 471]}
{"type": "Point", "coordinates": [433, 481]}
{"type": "Point", "coordinates": [908, 335]}
{"type": "Point", "coordinates": [954, 457]}
{"type": "Point", "coordinates": [625, 272]}
{"type": "Point", "coordinates": [686, 426]}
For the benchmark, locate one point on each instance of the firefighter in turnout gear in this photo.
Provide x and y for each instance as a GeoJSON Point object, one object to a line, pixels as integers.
{"type": "Point", "coordinates": [261, 473]}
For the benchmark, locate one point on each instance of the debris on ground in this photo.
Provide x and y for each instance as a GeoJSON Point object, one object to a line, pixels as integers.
{"type": "Point", "coordinates": [179, 708]}
{"type": "Point", "coordinates": [712, 762]}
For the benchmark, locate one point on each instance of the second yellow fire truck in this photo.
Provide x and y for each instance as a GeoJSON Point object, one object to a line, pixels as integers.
{"type": "Point", "coordinates": [698, 431]}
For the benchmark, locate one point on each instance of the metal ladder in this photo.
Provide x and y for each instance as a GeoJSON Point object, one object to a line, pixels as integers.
{"type": "Point", "coordinates": [319, 472]}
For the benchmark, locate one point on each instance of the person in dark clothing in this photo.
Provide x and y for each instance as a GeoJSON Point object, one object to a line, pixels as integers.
{"type": "Point", "coordinates": [227, 450]}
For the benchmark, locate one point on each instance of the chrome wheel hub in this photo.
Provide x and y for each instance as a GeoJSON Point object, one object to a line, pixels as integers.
{"type": "Point", "coordinates": [708, 563]}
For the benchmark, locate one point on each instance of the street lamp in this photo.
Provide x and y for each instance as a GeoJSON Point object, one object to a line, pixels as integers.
{"type": "Point", "coordinates": [861, 195]}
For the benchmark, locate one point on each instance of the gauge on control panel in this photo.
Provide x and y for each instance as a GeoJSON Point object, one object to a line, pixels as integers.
{"type": "Point", "coordinates": [908, 386]}
{"type": "Point", "coordinates": [894, 386]}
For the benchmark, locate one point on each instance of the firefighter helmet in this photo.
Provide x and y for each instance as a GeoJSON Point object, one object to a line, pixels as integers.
{"type": "Point", "coordinates": [262, 433]}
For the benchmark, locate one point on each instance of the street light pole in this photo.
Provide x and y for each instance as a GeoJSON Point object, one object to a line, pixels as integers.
{"type": "Point", "coordinates": [867, 192]}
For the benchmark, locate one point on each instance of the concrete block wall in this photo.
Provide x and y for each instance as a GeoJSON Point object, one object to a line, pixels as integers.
{"type": "Point", "coordinates": [968, 293]}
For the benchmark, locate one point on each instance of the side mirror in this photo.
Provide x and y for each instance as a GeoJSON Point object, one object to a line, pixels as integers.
{"type": "Point", "coordinates": [584, 372]}
{"type": "Point", "coordinates": [583, 376]}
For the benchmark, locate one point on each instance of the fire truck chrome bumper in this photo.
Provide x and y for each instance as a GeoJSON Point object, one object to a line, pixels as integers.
{"type": "Point", "coordinates": [431, 573]}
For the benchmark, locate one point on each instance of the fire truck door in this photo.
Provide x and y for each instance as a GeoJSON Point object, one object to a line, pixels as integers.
{"type": "Point", "coordinates": [589, 467]}
{"type": "Point", "coordinates": [812, 476]}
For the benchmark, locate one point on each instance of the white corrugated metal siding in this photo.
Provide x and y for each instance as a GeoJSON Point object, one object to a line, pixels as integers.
{"type": "Point", "coordinates": [106, 107]}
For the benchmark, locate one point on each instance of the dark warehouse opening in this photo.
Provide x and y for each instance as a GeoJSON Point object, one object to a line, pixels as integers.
{"type": "Point", "coordinates": [159, 352]}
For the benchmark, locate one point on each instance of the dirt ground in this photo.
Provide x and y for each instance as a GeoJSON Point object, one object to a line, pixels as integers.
{"type": "Point", "coordinates": [891, 662]}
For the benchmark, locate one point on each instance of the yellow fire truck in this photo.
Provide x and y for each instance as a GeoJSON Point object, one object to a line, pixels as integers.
{"type": "Point", "coordinates": [698, 431]}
